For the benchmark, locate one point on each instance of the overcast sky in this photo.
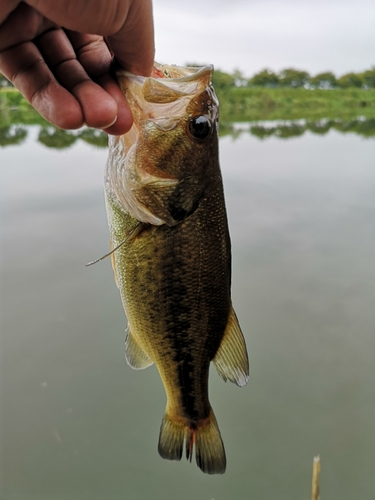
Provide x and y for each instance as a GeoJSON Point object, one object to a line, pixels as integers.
{"type": "Point", "coordinates": [313, 35]}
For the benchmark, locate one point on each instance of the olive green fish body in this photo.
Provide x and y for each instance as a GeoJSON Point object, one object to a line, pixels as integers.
{"type": "Point", "coordinates": [175, 287]}
{"type": "Point", "coordinates": [173, 267]}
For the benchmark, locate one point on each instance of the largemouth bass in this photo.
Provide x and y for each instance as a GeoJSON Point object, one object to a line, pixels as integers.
{"type": "Point", "coordinates": [172, 255]}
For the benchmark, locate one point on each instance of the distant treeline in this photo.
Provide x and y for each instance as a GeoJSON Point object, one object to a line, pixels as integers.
{"type": "Point", "coordinates": [289, 77]}
{"type": "Point", "coordinates": [294, 78]}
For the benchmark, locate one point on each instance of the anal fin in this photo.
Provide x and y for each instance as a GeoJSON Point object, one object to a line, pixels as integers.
{"type": "Point", "coordinates": [134, 354]}
{"type": "Point", "coordinates": [231, 360]}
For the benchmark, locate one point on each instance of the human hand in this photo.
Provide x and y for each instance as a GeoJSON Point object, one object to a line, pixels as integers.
{"type": "Point", "coordinates": [56, 53]}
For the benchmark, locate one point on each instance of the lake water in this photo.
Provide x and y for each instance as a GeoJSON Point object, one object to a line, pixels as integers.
{"type": "Point", "coordinates": [78, 423]}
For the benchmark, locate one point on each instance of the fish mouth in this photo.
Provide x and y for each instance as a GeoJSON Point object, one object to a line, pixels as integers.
{"type": "Point", "coordinates": [179, 72]}
{"type": "Point", "coordinates": [182, 80]}
{"type": "Point", "coordinates": [164, 96]}
{"type": "Point", "coordinates": [160, 100]}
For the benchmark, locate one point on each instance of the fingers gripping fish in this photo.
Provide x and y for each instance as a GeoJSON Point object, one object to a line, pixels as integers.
{"type": "Point", "coordinates": [163, 188]}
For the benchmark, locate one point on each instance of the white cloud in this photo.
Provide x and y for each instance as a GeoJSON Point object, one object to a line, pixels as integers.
{"type": "Point", "coordinates": [251, 35]}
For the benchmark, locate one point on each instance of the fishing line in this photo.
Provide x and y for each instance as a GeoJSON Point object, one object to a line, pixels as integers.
{"type": "Point", "coordinates": [134, 232]}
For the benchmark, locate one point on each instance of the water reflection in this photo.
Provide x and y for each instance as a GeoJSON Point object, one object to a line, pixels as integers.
{"type": "Point", "coordinates": [79, 424]}
{"type": "Point", "coordinates": [12, 135]}
{"type": "Point", "coordinates": [52, 137]}
{"type": "Point", "coordinates": [55, 138]}
{"type": "Point", "coordinates": [285, 129]}
{"type": "Point", "coordinates": [95, 137]}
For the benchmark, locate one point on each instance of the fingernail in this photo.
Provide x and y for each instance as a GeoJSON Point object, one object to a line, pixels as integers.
{"type": "Point", "coordinates": [110, 124]}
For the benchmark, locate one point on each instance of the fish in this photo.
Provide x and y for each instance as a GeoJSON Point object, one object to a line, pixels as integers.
{"type": "Point", "coordinates": [171, 252]}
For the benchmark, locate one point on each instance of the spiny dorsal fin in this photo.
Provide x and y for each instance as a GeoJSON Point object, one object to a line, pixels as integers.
{"type": "Point", "coordinates": [134, 354]}
{"type": "Point", "coordinates": [231, 361]}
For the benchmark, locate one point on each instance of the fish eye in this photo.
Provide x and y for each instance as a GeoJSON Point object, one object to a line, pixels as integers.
{"type": "Point", "coordinates": [199, 127]}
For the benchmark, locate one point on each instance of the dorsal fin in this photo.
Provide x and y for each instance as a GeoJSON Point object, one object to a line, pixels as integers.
{"type": "Point", "coordinates": [134, 354]}
{"type": "Point", "coordinates": [231, 360]}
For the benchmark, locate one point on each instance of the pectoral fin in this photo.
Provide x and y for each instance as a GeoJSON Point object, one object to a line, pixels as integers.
{"type": "Point", "coordinates": [134, 354]}
{"type": "Point", "coordinates": [231, 360]}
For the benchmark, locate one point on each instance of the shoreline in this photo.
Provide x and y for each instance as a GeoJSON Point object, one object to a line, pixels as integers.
{"type": "Point", "coordinates": [253, 104]}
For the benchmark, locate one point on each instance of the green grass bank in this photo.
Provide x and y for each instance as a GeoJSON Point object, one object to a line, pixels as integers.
{"type": "Point", "coordinates": [256, 103]}
{"type": "Point", "coordinates": [242, 104]}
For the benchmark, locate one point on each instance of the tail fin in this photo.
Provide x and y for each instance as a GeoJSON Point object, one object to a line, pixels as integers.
{"type": "Point", "coordinates": [209, 447]}
{"type": "Point", "coordinates": [205, 435]}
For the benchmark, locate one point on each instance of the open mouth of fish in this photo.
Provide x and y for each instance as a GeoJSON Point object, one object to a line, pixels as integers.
{"type": "Point", "coordinates": [161, 102]}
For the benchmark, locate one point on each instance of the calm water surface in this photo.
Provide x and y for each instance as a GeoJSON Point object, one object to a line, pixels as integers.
{"type": "Point", "coordinates": [78, 423]}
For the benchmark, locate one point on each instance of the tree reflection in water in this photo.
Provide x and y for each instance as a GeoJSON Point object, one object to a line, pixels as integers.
{"type": "Point", "coordinates": [288, 129]}
{"type": "Point", "coordinates": [12, 135]}
{"type": "Point", "coordinates": [95, 137]}
{"type": "Point", "coordinates": [55, 138]}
